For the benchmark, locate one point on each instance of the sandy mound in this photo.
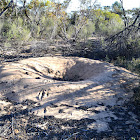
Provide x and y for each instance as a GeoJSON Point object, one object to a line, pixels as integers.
{"type": "Point", "coordinates": [71, 88]}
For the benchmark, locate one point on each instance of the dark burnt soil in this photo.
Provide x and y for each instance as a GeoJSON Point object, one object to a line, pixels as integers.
{"type": "Point", "coordinates": [93, 49]}
{"type": "Point", "coordinates": [19, 123]}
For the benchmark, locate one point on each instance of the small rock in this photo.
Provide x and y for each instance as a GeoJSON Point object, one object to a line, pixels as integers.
{"type": "Point", "coordinates": [25, 86]}
{"type": "Point", "coordinates": [26, 73]}
{"type": "Point", "coordinates": [37, 78]}
{"type": "Point", "coordinates": [61, 111]}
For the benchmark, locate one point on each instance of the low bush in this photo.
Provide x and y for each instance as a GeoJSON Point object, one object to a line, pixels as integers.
{"type": "Point", "coordinates": [132, 65]}
{"type": "Point", "coordinates": [136, 97]}
{"type": "Point", "coordinates": [18, 31]}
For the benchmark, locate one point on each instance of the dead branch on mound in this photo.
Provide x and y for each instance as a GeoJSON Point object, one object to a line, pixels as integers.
{"type": "Point", "coordinates": [124, 14]}
{"type": "Point", "coordinates": [119, 41]}
{"type": "Point", "coordinates": [127, 31]}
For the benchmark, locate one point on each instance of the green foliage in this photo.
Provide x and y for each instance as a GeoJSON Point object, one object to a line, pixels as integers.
{"type": "Point", "coordinates": [135, 65]}
{"type": "Point", "coordinates": [132, 65]}
{"type": "Point", "coordinates": [1, 25]}
{"type": "Point", "coordinates": [18, 31]}
{"type": "Point", "coordinates": [46, 19]}
{"type": "Point", "coordinates": [38, 4]}
{"type": "Point", "coordinates": [117, 8]}
{"type": "Point", "coordinates": [46, 28]}
{"type": "Point", "coordinates": [5, 27]}
{"type": "Point", "coordinates": [136, 97]}
{"type": "Point", "coordinates": [3, 4]}
{"type": "Point", "coordinates": [71, 31]}
{"type": "Point", "coordinates": [108, 23]}
{"type": "Point", "coordinates": [7, 44]}
{"type": "Point", "coordinates": [87, 30]}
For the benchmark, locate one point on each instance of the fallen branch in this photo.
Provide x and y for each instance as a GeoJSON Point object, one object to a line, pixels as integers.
{"type": "Point", "coordinates": [129, 28]}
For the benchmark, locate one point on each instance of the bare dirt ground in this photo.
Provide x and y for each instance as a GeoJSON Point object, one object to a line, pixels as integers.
{"type": "Point", "coordinates": [57, 97]}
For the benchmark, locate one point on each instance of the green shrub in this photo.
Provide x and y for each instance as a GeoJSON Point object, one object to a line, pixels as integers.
{"type": "Point", "coordinates": [18, 31]}
{"type": "Point", "coordinates": [136, 97]}
{"type": "Point", "coordinates": [71, 31]}
{"type": "Point", "coordinates": [84, 33]}
{"type": "Point", "coordinates": [135, 65]}
{"type": "Point", "coordinates": [120, 61]}
{"type": "Point", "coordinates": [46, 28]}
{"type": "Point", "coordinates": [1, 25]}
{"type": "Point", "coordinates": [7, 44]}
{"type": "Point", "coordinates": [5, 27]}
{"type": "Point", "coordinates": [87, 30]}
{"type": "Point", "coordinates": [107, 23]}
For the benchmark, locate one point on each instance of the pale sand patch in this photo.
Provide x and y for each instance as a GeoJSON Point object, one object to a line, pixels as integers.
{"type": "Point", "coordinates": [99, 125]}
{"type": "Point", "coordinates": [64, 86]}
